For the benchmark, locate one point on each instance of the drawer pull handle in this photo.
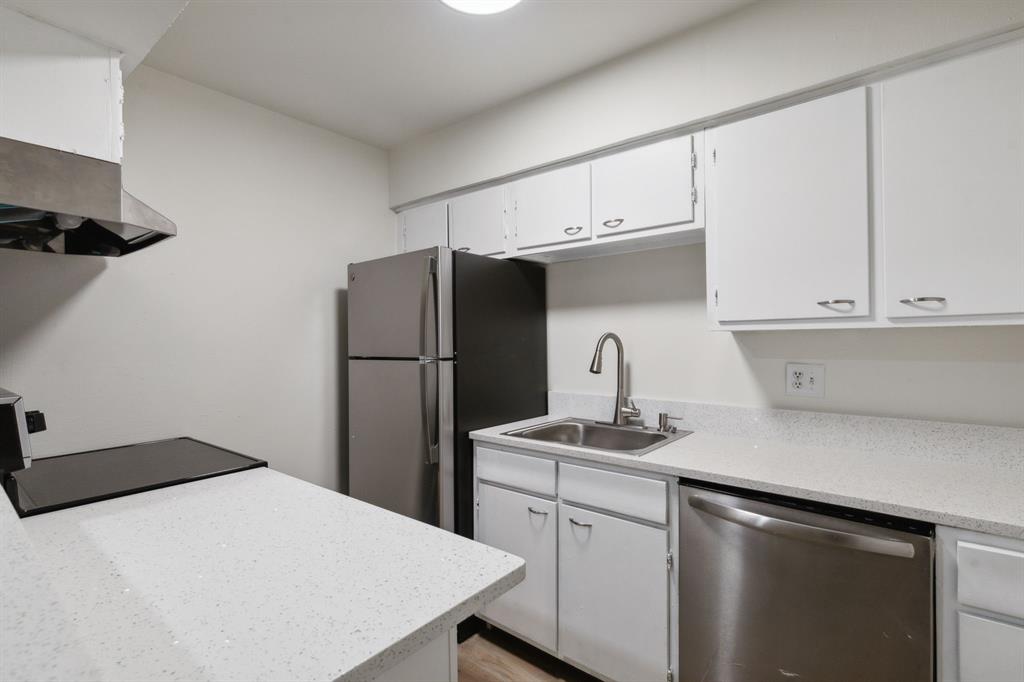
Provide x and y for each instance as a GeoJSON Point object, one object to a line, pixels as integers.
{"type": "Point", "coordinates": [614, 222]}
{"type": "Point", "coordinates": [837, 301]}
{"type": "Point", "coordinates": [537, 511]}
{"type": "Point", "coordinates": [581, 525]}
{"type": "Point", "coordinates": [573, 230]}
{"type": "Point", "coordinates": [923, 299]}
{"type": "Point", "coordinates": [463, 248]}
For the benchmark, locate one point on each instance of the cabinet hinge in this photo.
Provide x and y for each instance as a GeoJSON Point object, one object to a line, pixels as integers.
{"type": "Point", "coordinates": [716, 298]}
{"type": "Point", "coordinates": [693, 195]}
{"type": "Point", "coordinates": [668, 676]}
{"type": "Point", "coordinates": [714, 156]}
{"type": "Point", "coordinates": [693, 159]}
{"type": "Point", "coordinates": [668, 560]}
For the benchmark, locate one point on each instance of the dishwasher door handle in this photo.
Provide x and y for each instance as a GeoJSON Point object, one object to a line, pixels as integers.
{"type": "Point", "coordinates": [803, 531]}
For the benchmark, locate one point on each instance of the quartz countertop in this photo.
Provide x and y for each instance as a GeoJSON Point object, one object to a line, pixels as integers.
{"type": "Point", "coordinates": [250, 576]}
{"type": "Point", "coordinates": [971, 495]}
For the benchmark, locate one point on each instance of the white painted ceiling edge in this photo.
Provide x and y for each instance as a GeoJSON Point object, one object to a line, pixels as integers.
{"type": "Point", "coordinates": [132, 28]}
{"type": "Point", "coordinates": [730, 63]}
{"type": "Point", "coordinates": [383, 72]}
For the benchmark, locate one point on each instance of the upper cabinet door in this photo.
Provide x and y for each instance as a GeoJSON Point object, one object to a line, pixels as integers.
{"type": "Point", "coordinates": [424, 226]}
{"type": "Point", "coordinates": [646, 187]}
{"type": "Point", "coordinates": [553, 207]}
{"type": "Point", "coordinates": [789, 213]}
{"type": "Point", "coordinates": [478, 222]}
{"type": "Point", "coordinates": [953, 187]}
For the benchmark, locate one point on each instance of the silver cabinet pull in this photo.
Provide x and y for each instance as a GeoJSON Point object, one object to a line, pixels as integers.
{"type": "Point", "coordinates": [614, 222]}
{"type": "Point", "coordinates": [574, 230]}
{"type": "Point", "coordinates": [803, 531]}
{"type": "Point", "coordinates": [577, 523]}
{"type": "Point", "coordinates": [923, 299]}
{"type": "Point", "coordinates": [462, 248]}
{"type": "Point", "coordinates": [538, 512]}
{"type": "Point", "coordinates": [837, 301]}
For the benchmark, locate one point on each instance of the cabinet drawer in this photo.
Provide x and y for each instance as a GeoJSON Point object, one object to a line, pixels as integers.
{"type": "Point", "coordinates": [517, 471]}
{"type": "Point", "coordinates": [990, 578]}
{"type": "Point", "coordinates": [990, 651]}
{"type": "Point", "coordinates": [642, 498]}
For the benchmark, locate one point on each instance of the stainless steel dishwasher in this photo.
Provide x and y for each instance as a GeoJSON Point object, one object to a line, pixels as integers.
{"type": "Point", "coordinates": [773, 588]}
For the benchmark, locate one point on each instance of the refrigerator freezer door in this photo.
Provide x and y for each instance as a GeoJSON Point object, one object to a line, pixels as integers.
{"type": "Point", "coordinates": [401, 306]}
{"type": "Point", "coordinates": [400, 438]}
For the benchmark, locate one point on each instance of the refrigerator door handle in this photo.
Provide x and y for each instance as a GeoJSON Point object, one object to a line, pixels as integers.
{"type": "Point", "coordinates": [429, 278]}
{"type": "Point", "coordinates": [430, 433]}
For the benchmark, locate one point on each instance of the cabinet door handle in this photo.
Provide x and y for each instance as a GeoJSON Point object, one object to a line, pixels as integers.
{"type": "Point", "coordinates": [574, 230]}
{"type": "Point", "coordinates": [837, 301]}
{"type": "Point", "coordinates": [614, 222]}
{"type": "Point", "coordinates": [577, 523]}
{"type": "Point", "coordinates": [923, 299]}
{"type": "Point", "coordinates": [538, 512]}
{"type": "Point", "coordinates": [462, 248]}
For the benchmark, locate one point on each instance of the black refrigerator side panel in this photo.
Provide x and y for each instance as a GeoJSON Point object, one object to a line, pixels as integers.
{"type": "Point", "coordinates": [501, 364]}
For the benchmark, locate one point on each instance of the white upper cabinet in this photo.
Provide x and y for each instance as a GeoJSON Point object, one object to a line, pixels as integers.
{"type": "Point", "coordinates": [478, 221]}
{"type": "Point", "coordinates": [953, 186]}
{"type": "Point", "coordinates": [646, 187]}
{"type": "Point", "coordinates": [423, 227]}
{"type": "Point", "coordinates": [553, 207]}
{"type": "Point", "coordinates": [788, 213]}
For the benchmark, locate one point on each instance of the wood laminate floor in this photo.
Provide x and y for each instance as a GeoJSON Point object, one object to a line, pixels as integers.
{"type": "Point", "coordinates": [494, 656]}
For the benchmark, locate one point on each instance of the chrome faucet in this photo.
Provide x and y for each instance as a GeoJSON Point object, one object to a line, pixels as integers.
{"type": "Point", "coordinates": [622, 410]}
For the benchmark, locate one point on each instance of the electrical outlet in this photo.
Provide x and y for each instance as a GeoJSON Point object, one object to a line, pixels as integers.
{"type": "Point", "coordinates": [805, 380]}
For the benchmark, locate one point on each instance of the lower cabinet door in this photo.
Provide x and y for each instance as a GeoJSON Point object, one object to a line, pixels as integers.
{"type": "Point", "coordinates": [613, 608]}
{"type": "Point", "coordinates": [990, 651]}
{"type": "Point", "coordinates": [527, 527]}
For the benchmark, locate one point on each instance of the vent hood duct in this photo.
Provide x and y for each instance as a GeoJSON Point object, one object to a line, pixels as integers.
{"type": "Point", "coordinates": [57, 202]}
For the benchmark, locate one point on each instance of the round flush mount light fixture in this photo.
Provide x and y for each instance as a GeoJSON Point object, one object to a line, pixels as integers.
{"type": "Point", "coordinates": [481, 6]}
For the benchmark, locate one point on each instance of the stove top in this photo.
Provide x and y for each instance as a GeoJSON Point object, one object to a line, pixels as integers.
{"type": "Point", "coordinates": [53, 483]}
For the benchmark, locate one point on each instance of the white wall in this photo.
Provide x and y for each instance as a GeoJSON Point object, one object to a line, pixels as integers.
{"type": "Point", "coordinates": [231, 332]}
{"type": "Point", "coordinates": [763, 51]}
{"type": "Point", "coordinates": [655, 301]}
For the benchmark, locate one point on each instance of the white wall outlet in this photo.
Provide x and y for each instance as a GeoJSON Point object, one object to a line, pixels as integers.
{"type": "Point", "coordinates": [805, 380]}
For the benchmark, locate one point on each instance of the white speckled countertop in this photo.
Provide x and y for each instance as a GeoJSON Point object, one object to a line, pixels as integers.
{"type": "Point", "coordinates": [251, 576]}
{"type": "Point", "coordinates": [979, 496]}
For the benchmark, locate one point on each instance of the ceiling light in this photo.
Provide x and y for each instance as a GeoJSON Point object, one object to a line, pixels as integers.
{"type": "Point", "coordinates": [481, 6]}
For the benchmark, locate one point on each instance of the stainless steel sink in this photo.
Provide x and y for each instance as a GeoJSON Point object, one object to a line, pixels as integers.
{"type": "Point", "coordinates": [584, 433]}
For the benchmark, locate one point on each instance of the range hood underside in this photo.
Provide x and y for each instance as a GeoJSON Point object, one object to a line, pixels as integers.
{"type": "Point", "coordinates": [58, 202]}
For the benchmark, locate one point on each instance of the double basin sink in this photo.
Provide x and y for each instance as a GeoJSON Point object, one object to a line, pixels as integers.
{"type": "Point", "coordinates": [584, 433]}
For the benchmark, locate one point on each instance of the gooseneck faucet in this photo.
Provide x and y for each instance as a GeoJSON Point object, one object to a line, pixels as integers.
{"type": "Point", "coordinates": [622, 410]}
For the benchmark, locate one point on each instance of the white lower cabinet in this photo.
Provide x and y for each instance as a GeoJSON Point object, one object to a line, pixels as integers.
{"type": "Point", "coordinates": [989, 651]}
{"type": "Point", "coordinates": [526, 526]}
{"type": "Point", "coordinates": [980, 607]}
{"type": "Point", "coordinates": [613, 607]}
{"type": "Point", "coordinates": [598, 591]}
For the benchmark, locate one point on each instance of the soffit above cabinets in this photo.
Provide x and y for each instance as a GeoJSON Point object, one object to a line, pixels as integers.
{"type": "Point", "coordinates": [132, 28]}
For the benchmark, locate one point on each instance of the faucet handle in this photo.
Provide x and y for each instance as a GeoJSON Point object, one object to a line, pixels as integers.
{"type": "Point", "coordinates": [630, 411]}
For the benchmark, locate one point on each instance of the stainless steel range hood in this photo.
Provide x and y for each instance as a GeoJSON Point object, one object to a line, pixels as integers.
{"type": "Point", "coordinates": [58, 202]}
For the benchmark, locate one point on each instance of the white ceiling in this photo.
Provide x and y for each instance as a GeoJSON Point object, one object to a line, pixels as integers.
{"type": "Point", "coordinates": [383, 71]}
{"type": "Point", "coordinates": [131, 27]}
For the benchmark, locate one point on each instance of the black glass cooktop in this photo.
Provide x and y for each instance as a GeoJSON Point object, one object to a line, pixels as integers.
{"type": "Point", "coordinates": [53, 483]}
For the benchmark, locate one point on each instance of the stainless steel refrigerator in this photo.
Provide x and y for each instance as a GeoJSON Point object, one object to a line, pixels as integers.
{"type": "Point", "coordinates": [439, 343]}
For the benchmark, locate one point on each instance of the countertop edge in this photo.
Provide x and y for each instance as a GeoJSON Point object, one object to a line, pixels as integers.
{"type": "Point", "coordinates": [882, 506]}
{"type": "Point", "coordinates": [371, 668]}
